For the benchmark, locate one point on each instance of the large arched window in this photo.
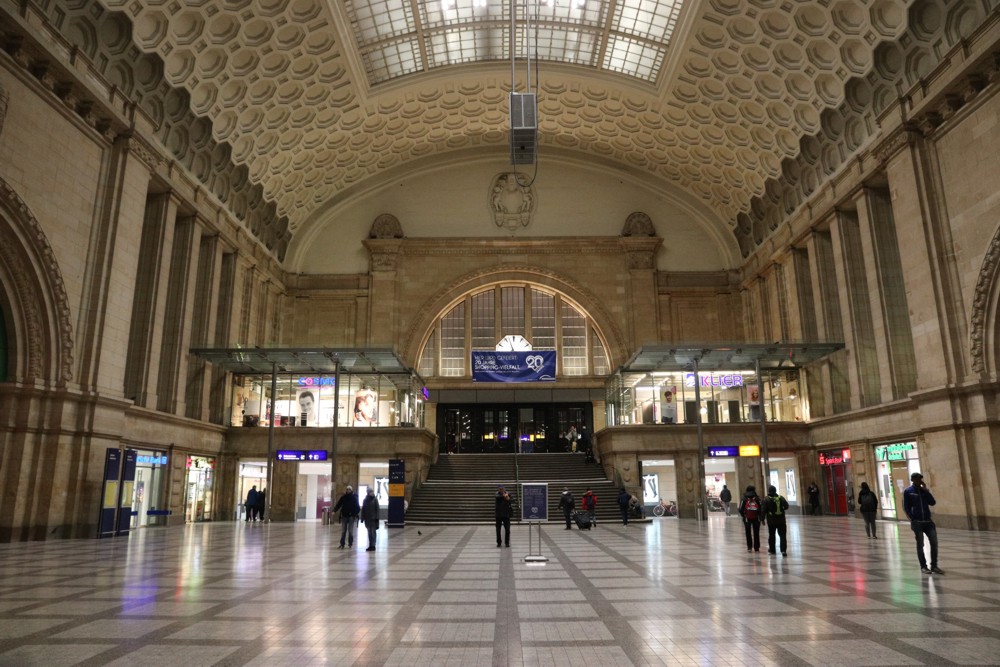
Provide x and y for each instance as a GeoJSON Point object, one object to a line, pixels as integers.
{"type": "Point", "coordinates": [549, 320]}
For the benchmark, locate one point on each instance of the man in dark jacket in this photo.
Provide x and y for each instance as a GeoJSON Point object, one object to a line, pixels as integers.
{"type": "Point", "coordinates": [567, 504]}
{"type": "Point", "coordinates": [726, 498]}
{"type": "Point", "coordinates": [750, 509]}
{"type": "Point", "coordinates": [251, 504]}
{"type": "Point", "coordinates": [775, 507]}
{"type": "Point", "coordinates": [349, 509]}
{"type": "Point", "coordinates": [369, 515]}
{"type": "Point", "coordinates": [503, 515]}
{"type": "Point", "coordinates": [917, 502]}
{"type": "Point", "coordinates": [624, 497]}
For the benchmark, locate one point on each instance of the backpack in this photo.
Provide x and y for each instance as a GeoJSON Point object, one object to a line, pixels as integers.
{"type": "Point", "coordinates": [868, 502]}
{"type": "Point", "coordinates": [751, 510]}
{"type": "Point", "coordinates": [588, 501]}
{"type": "Point", "coordinates": [775, 505]}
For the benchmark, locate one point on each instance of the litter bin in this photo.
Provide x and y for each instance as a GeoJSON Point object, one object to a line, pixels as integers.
{"type": "Point", "coordinates": [701, 511]}
{"type": "Point", "coordinates": [326, 516]}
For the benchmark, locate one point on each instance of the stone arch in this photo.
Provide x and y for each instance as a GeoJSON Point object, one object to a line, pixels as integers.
{"type": "Point", "coordinates": [984, 331]}
{"type": "Point", "coordinates": [436, 305]}
{"type": "Point", "coordinates": [33, 297]}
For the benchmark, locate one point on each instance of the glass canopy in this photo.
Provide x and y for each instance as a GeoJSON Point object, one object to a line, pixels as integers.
{"type": "Point", "coordinates": [400, 37]}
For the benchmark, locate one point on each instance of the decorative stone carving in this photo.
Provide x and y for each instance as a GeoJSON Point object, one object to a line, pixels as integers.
{"type": "Point", "coordinates": [638, 224]}
{"type": "Point", "coordinates": [386, 226]}
{"type": "Point", "coordinates": [41, 293]}
{"type": "Point", "coordinates": [385, 261]}
{"type": "Point", "coordinates": [986, 286]}
{"type": "Point", "coordinates": [512, 203]}
{"type": "Point", "coordinates": [4, 100]}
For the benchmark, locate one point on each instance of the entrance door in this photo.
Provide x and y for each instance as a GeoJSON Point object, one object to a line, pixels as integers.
{"type": "Point", "coordinates": [900, 475]}
{"type": "Point", "coordinates": [836, 488]}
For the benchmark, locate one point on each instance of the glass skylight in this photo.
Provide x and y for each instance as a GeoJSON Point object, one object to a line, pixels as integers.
{"type": "Point", "coordinates": [393, 40]}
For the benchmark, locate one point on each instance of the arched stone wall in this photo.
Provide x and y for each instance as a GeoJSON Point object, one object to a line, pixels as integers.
{"type": "Point", "coordinates": [36, 307]}
{"type": "Point", "coordinates": [985, 327]}
{"type": "Point", "coordinates": [437, 305]}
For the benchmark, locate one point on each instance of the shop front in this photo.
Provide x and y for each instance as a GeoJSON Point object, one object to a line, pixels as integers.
{"type": "Point", "coordinates": [199, 492]}
{"type": "Point", "coordinates": [252, 474]}
{"type": "Point", "coordinates": [894, 462]}
{"type": "Point", "coordinates": [148, 501]}
{"type": "Point", "coordinates": [313, 490]}
{"type": "Point", "coordinates": [835, 466]}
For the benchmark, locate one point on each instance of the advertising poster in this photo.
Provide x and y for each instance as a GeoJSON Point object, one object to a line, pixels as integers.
{"type": "Point", "coordinates": [307, 413]}
{"type": "Point", "coordinates": [532, 366]}
{"type": "Point", "coordinates": [365, 407]}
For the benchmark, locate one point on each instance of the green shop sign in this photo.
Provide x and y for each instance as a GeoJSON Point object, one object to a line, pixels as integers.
{"type": "Point", "coordinates": [896, 452]}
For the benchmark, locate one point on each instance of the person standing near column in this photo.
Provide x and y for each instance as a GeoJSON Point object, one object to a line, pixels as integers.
{"type": "Point", "coordinates": [503, 515]}
{"type": "Point", "coordinates": [349, 508]}
{"type": "Point", "coordinates": [917, 502]}
{"type": "Point", "coordinates": [369, 515]}
{"type": "Point", "coordinates": [813, 492]}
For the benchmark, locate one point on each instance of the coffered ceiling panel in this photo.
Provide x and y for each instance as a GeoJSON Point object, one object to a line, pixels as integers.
{"type": "Point", "coordinates": [711, 95]}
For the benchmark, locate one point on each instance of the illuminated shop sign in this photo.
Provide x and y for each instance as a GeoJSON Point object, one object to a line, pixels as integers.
{"type": "Point", "coordinates": [155, 460]}
{"type": "Point", "coordinates": [707, 380]}
{"type": "Point", "coordinates": [301, 455]}
{"type": "Point", "coordinates": [427, 394]}
{"type": "Point", "coordinates": [328, 381]}
{"type": "Point", "coordinates": [749, 450]}
{"type": "Point", "coordinates": [715, 452]}
{"type": "Point", "coordinates": [833, 458]}
{"type": "Point", "coordinates": [899, 451]}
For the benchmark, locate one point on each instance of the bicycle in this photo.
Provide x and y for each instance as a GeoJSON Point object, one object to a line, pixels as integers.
{"type": "Point", "coordinates": [665, 509]}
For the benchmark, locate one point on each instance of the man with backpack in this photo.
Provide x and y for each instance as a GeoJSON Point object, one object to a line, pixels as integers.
{"type": "Point", "coordinates": [750, 509]}
{"type": "Point", "coordinates": [775, 507]}
{"type": "Point", "coordinates": [567, 504]}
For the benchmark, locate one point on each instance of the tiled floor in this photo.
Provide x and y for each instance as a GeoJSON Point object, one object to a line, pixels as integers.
{"type": "Point", "coordinates": [666, 593]}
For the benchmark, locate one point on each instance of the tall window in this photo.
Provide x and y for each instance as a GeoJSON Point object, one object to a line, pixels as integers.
{"type": "Point", "coordinates": [548, 320]}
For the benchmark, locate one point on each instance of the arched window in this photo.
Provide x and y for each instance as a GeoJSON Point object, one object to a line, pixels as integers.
{"type": "Point", "coordinates": [549, 320]}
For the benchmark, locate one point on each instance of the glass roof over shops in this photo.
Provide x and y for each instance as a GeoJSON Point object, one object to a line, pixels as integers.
{"type": "Point", "coordinates": [663, 384]}
{"type": "Point", "coordinates": [374, 389]}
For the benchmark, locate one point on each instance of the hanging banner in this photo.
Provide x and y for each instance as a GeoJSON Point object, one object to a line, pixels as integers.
{"type": "Point", "coordinates": [531, 366]}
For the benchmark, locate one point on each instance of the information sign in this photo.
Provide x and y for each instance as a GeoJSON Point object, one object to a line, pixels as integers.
{"type": "Point", "coordinates": [534, 502]}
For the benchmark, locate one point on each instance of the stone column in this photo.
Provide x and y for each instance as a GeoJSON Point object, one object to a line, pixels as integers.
{"type": "Point", "coordinates": [866, 222]}
{"type": "Point", "coordinates": [640, 252]}
{"type": "Point", "coordinates": [383, 302]}
{"type": "Point", "coordinates": [148, 308]}
{"type": "Point", "coordinates": [205, 312]}
{"type": "Point", "coordinates": [179, 310]}
{"type": "Point", "coordinates": [844, 297]}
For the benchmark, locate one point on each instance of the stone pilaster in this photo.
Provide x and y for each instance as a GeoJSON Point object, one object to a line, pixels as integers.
{"type": "Point", "coordinates": [179, 310]}
{"type": "Point", "coordinates": [383, 302]}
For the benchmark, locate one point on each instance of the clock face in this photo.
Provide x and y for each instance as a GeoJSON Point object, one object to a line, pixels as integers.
{"type": "Point", "coordinates": [513, 344]}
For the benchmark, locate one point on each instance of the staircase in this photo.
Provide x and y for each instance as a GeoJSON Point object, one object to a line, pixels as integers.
{"type": "Point", "coordinates": [461, 488]}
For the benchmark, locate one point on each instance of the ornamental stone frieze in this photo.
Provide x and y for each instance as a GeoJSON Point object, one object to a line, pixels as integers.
{"type": "Point", "coordinates": [384, 253]}
{"type": "Point", "coordinates": [512, 201]}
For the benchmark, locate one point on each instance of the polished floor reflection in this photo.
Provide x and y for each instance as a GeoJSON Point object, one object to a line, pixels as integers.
{"type": "Point", "coordinates": [664, 593]}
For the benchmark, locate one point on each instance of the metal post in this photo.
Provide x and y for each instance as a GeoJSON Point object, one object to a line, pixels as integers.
{"type": "Point", "coordinates": [701, 445]}
{"type": "Point", "coordinates": [336, 420]}
{"type": "Point", "coordinates": [270, 440]}
{"type": "Point", "coordinates": [763, 426]}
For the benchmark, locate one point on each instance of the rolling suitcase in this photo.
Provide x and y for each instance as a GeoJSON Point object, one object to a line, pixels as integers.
{"type": "Point", "coordinates": [582, 520]}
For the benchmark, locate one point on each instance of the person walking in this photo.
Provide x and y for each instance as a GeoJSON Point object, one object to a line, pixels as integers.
{"type": "Point", "coordinates": [917, 502]}
{"type": "Point", "coordinates": [349, 509]}
{"type": "Point", "coordinates": [251, 504]}
{"type": "Point", "coordinates": [503, 512]}
{"type": "Point", "coordinates": [813, 492]}
{"type": "Point", "coordinates": [775, 507]}
{"type": "Point", "coordinates": [567, 504]}
{"type": "Point", "coordinates": [868, 503]}
{"type": "Point", "coordinates": [624, 499]}
{"type": "Point", "coordinates": [726, 498]}
{"type": "Point", "coordinates": [261, 503]}
{"type": "Point", "coordinates": [590, 506]}
{"type": "Point", "coordinates": [750, 510]}
{"type": "Point", "coordinates": [369, 515]}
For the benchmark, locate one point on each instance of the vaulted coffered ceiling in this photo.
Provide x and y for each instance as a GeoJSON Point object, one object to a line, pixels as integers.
{"type": "Point", "coordinates": [307, 99]}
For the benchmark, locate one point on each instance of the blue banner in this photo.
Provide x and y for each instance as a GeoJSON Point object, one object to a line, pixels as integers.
{"type": "Point", "coordinates": [534, 366]}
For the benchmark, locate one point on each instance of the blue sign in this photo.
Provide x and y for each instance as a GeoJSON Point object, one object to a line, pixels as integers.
{"type": "Point", "coordinates": [302, 455]}
{"type": "Point", "coordinates": [531, 366]}
{"type": "Point", "coordinates": [717, 452]}
{"type": "Point", "coordinates": [155, 459]}
{"type": "Point", "coordinates": [534, 502]}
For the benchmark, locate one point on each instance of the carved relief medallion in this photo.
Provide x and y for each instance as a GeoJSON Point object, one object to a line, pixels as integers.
{"type": "Point", "coordinates": [512, 202]}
